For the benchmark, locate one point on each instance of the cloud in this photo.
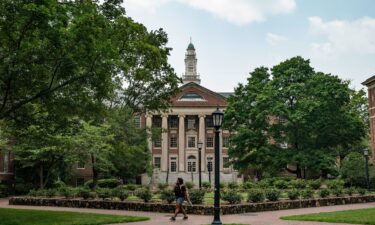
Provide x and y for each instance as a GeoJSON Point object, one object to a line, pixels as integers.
{"type": "Point", "coordinates": [343, 37]}
{"type": "Point", "coordinates": [275, 39]}
{"type": "Point", "coordinates": [238, 12]}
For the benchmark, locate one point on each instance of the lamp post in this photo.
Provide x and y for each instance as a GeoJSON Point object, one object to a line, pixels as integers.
{"type": "Point", "coordinates": [217, 117]}
{"type": "Point", "coordinates": [200, 145]}
{"type": "Point", "coordinates": [365, 153]}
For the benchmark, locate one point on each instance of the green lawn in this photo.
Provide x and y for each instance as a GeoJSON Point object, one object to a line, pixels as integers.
{"type": "Point", "coordinates": [360, 216]}
{"type": "Point", "coordinates": [38, 217]}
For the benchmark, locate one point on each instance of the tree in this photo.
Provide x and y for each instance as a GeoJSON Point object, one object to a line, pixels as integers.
{"type": "Point", "coordinates": [309, 116]}
{"type": "Point", "coordinates": [353, 169]}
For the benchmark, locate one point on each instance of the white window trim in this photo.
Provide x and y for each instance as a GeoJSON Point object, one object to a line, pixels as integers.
{"type": "Point", "coordinates": [81, 168]}
{"type": "Point", "coordinates": [170, 136]}
{"type": "Point", "coordinates": [196, 164]}
{"type": "Point", "coordinates": [170, 161]}
{"type": "Point", "coordinates": [187, 141]}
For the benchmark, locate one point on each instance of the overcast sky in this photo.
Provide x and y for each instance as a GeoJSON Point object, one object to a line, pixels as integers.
{"type": "Point", "coordinates": [232, 37]}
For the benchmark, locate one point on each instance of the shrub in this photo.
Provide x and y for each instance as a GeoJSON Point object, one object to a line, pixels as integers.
{"type": "Point", "coordinates": [314, 184]}
{"type": "Point", "coordinates": [206, 184]}
{"type": "Point", "coordinates": [281, 184]}
{"type": "Point", "coordinates": [189, 185]}
{"type": "Point", "coordinates": [298, 183]}
{"type": "Point", "coordinates": [323, 193]}
{"type": "Point", "coordinates": [67, 192]}
{"type": "Point", "coordinates": [4, 191]}
{"type": "Point", "coordinates": [222, 185]}
{"type": "Point", "coordinates": [293, 194]}
{"type": "Point", "coordinates": [162, 186]}
{"type": "Point", "coordinates": [307, 193]}
{"type": "Point", "coordinates": [84, 193]}
{"type": "Point", "coordinates": [233, 185]}
{"type": "Point", "coordinates": [196, 196]}
{"type": "Point", "coordinates": [131, 187]}
{"type": "Point", "coordinates": [50, 192]}
{"type": "Point", "coordinates": [232, 197]}
{"type": "Point", "coordinates": [255, 195]}
{"type": "Point", "coordinates": [92, 194]}
{"type": "Point", "coordinates": [33, 193]}
{"type": "Point", "coordinates": [144, 194]}
{"type": "Point", "coordinates": [361, 191]}
{"type": "Point", "coordinates": [103, 193]}
{"type": "Point", "coordinates": [23, 188]}
{"type": "Point", "coordinates": [41, 192]}
{"type": "Point", "coordinates": [264, 184]}
{"type": "Point", "coordinates": [350, 191]}
{"type": "Point", "coordinates": [334, 184]}
{"type": "Point", "coordinates": [273, 194]}
{"type": "Point", "coordinates": [121, 193]}
{"type": "Point", "coordinates": [248, 185]}
{"type": "Point", "coordinates": [103, 183]}
{"type": "Point", "coordinates": [167, 196]}
{"type": "Point", "coordinates": [337, 191]}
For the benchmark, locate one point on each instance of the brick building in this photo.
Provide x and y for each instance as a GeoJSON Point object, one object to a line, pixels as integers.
{"type": "Point", "coordinates": [370, 83]}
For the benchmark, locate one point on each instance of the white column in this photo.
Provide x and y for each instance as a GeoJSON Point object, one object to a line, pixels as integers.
{"type": "Point", "coordinates": [164, 143]}
{"type": "Point", "coordinates": [181, 143]}
{"type": "Point", "coordinates": [148, 127]}
{"type": "Point", "coordinates": [202, 138]}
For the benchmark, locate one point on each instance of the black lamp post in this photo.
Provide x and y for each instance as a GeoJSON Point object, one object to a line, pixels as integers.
{"type": "Point", "coordinates": [217, 117]}
{"type": "Point", "coordinates": [200, 145]}
{"type": "Point", "coordinates": [365, 153]}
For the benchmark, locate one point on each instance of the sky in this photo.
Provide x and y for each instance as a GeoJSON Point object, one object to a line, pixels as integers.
{"type": "Point", "coordinates": [232, 37]}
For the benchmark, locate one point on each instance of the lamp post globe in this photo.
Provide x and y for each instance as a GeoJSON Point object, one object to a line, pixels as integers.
{"type": "Point", "coordinates": [217, 118]}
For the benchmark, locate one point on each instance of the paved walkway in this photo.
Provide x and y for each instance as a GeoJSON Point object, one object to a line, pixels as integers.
{"type": "Point", "coordinates": [261, 218]}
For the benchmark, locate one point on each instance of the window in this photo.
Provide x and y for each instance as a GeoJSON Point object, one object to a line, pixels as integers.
{"type": "Point", "coordinates": [157, 142]}
{"type": "Point", "coordinates": [191, 123]}
{"type": "Point", "coordinates": [157, 162]}
{"type": "Point", "coordinates": [281, 119]}
{"type": "Point", "coordinates": [225, 141]}
{"type": "Point", "coordinates": [191, 141]}
{"type": "Point", "coordinates": [192, 97]}
{"type": "Point", "coordinates": [209, 164]}
{"type": "Point", "coordinates": [173, 166]}
{"type": "Point", "coordinates": [81, 165]}
{"type": "Point", "coordinates": [80, 181]}
{"type": "Point", "coordinates": [173, 141]}
{"type": "Point", "coordinates": [209, 121]}
{"type": "Point", "coordinates": [6, 162]}
{"type": "Point", "coordinates": [190, 67]}
{"type": "Point", "coordinates": [173, 122]}
{"type": "Point", "coordinates": [156, 121]}
{"type": "Point", "coordinates": [210, 142]}
{"type": "Point", "coordinates": [191, 164]}
{"type": "Point", "coordinates": [226, 162]}
{"type": "Point", "coordinates": [137, 121]}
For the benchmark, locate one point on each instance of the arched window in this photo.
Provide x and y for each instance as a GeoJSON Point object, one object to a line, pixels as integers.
{"type": "Point", "coordinates": [191, 97]}
{"type": "Point", "coordinates": [192, 163]}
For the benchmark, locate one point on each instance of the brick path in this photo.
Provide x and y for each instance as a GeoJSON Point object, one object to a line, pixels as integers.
{"type": "Point", "coordinates": [261, 218]}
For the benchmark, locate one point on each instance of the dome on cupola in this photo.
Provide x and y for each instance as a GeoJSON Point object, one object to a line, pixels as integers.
{"type": "Point", "coordinates": [190, 46]}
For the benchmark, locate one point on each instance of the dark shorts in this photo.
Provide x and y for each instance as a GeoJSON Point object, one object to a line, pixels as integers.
{"type": "Point", "coordinates": [179, 200]}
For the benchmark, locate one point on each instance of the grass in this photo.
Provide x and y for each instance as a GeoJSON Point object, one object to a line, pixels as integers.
{"type": "Point", "coordinates": [38, 217]}
{"type": "Point", "coordinates": [359, 216]}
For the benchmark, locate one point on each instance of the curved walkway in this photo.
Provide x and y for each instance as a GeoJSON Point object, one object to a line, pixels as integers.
{"type": "Point", "coordinates": [261, 218]}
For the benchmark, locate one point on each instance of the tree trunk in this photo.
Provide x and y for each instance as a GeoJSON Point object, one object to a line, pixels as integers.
{"type": "Point", "coordinates": [298, 172]}
{"type": "Point", "coordinates": [41, 183]}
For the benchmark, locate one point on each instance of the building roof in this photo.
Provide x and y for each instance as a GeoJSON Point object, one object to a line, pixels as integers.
{"type": "Point", "coordinates": [369, 81]}
{"type": "Point", "coordinates": [190, 46]}
{"type": "Point", "coordinates": [225, 94]}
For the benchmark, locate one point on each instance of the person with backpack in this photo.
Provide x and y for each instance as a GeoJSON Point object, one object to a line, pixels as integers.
{"type": "Point", "coordinates": [180, 192]}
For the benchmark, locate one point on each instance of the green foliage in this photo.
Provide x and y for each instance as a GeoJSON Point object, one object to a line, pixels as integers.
{"type": "Point", "coordinates": [281, 184]}
{"type": "Point", "coordinates": [196, 196]}
{"type": "Point", "coordinates": [162, 186]}
{"type": "Point", "coordinates": [298, 183]}
{"type": "Point", "coordinates": [314, 184]}
{"type": "Point", "coordinates": [233, 185]}
{"type": "Point", "coordinates": [104, 193]}
{"type": "Point", "coordinates": [121, 193]}
{"type": "Point", "coordinates": [307, 193]}
{"type": "Point", "coordinates": [3, 191]}
{"type": "Point", "coordinates": [67, 192]}
{"type": "Point", "coordinates": [206, 185]}
{"type": "Point", "coordinates": [33, 193]}
{"type": "Point", "coordinates": [350, 191]}
{"type": "Point", "coordinates": [167, 196]}
{"type": "Point", "coordinates": [272, 194]}
{"type": "Point", "coordinates": [223, 185]}
{"type": "Point", "coordinates": [51, 192]}
{"type": "Point", "coordinates": [351, 169]}
{"type": "Point", "coordinates": [293, 194]}
{"type": "Point", "coordinates": [338, 191]}
{"type": "Point", "coordinates": [248, 185]}
{"type": "Point", "coordinates": [131, 187]}
{"type": "Point", "coordinates": [232, 196]}
{"type": "Point", "coordinates": [144, 194]}
{"type": "Point", "coordinates": [361, 191]}
{"type": "Point", "coordinates": [103, 183]}
{"type": "Point", "coordinates": [323, 193]}
{"type": "Point", "coordinates": [335, 184]}
{"type": "Point", "coordinates": [255, 195]}
{"type": "Point", "coordinates": [83, 193]}
{"type": "Point", "coordinates": [189, 185]}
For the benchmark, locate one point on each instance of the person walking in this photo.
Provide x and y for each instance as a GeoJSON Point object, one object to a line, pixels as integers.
{"type": "Point", "coordinates": [180, 192]}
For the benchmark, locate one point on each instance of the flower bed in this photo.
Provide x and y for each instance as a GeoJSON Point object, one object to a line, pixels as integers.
{"type": "Point", "coordinates": [195, 209]}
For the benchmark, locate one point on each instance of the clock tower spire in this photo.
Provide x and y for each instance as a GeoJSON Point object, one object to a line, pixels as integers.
{"type": "Point", "coordinates": [191, 74]}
